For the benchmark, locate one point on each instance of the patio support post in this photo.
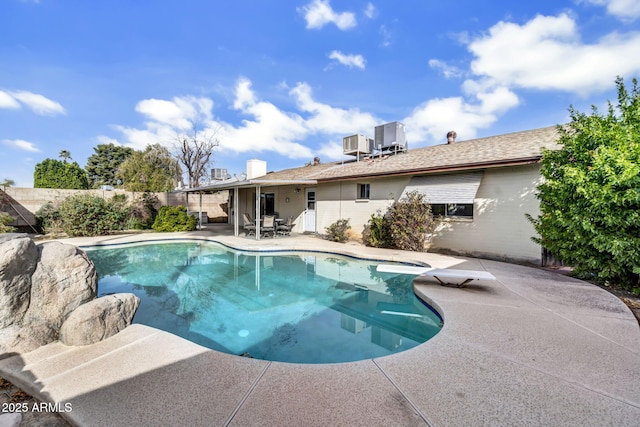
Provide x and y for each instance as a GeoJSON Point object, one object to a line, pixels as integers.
{"type": "Point", "coordinates": [257, 212]}
{"type": "Point", "coordinates": [200, 213]}
{"type": "Point", "coordinates": [236, 215]}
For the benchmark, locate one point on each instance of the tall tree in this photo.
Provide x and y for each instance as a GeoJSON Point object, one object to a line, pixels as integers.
{"type": "Point", "coordinates": [193, 151]}
{"type": "Point", "coordinates": [153, 170]}
{"type": "Point", "coordinates": [102, 165]}
{"type": "Point", "coordinates": [65, 155]}
{"type": "Point", "coordinates": [590, 198]}
{"type": "Point", "coordinates": [52, 173]}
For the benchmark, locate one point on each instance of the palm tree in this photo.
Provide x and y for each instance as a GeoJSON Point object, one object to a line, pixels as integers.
{"type": "Point", "coordinates": [7, 183]}
{"type": "Point", "coordinates": [65, 155]}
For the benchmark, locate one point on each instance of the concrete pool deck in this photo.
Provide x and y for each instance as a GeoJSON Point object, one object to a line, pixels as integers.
{"type": "Point", "coordinates": [531, 348]}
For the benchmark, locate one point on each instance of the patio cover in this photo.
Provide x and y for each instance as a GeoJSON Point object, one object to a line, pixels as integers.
{"type": "Point", "coordinates": [450, 188]}
{"type": "Point", "coordinates": [234, 184]}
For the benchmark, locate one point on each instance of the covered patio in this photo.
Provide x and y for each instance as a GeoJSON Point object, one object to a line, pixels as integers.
{"type": "Point", "coordinates": [258, 197]}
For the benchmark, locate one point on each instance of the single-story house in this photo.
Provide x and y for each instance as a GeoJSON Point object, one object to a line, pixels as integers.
{"type": "Point", "coordinates": [481, 189]}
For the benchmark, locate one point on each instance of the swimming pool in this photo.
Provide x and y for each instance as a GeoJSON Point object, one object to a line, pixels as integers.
{"type": "Point", "coordinates": [301, 307]}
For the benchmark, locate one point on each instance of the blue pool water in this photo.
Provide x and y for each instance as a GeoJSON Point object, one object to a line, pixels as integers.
{"type": "Point", "coordinates": [302, 307]}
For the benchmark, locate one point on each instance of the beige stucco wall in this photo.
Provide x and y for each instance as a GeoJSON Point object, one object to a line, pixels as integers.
{"type": "Point", "coordinates": [338, 200]}
{"type": "Point", "coordinates": [499, 228]}
{"type": "Point", "coordinates": [27, 201]}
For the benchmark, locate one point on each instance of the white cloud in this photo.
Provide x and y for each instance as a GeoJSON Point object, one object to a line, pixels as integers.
{"type": "Point", "coordinates": [627, 10]}
{"type": "Point", "coordinates": [433, 119]}
{"type": "Point", "coordinates": [270, 130]}
{"type": "Point", "coordinates": [40, 104]}
{"type": "Point", "coordinates": [102, 139]}
{"type": "Point", "coordinates": [370, 11]}
{"type": "Point", "coordinates": [180, 113]}
{"type": "Point", "coordinates": [8, 101]}
{"type": "Point", "coordinates": [448, 71]}
{"type": "Point", "coordinates": [266, 128]}
{"type": "Point", "coordinates": [21, 144]}
{"type": "Point", "coordinates": [319, 13]}
{"type": "Point", "coordinates": [386, 36]}
{"type": "Point", "coordinates": [330, 120]}
{"type": "Point", "coordinates": [350, 61]}
{"type": "Point", "coordinates": [546, 54]}
{"type": "Point", "coordinates": [244, 94]}
{"type": "Point", "coordinates": [331, 151]}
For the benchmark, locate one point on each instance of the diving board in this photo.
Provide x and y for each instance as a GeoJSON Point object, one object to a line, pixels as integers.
{"type": "Point", "coordinates": [438, 273]}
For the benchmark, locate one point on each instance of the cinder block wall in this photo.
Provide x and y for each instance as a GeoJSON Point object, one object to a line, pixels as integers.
{"type": "Point", "coordinates": [23, 203]}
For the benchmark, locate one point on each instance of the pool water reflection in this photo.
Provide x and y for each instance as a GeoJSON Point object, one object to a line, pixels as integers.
{"type": "Point", "coordinates": [302, 307]}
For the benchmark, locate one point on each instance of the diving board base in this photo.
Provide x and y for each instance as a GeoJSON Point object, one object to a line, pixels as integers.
{"type": "Point", "coordinates": [440, 274]}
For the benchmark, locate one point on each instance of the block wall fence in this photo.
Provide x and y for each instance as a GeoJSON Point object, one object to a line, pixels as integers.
{"type": "Point", "coordinates": [23, 203]}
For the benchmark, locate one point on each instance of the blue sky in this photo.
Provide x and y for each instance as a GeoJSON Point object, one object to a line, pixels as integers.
{"type": "Point", "coordinates": [284, 81]}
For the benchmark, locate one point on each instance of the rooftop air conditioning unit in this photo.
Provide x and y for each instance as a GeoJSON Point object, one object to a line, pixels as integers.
{"type": "Point", "coordinates": [357, 144]}
{"type": "Point", "coordinates": [390, 137]}
{"type": "Point", "coordinates": [218, 174]}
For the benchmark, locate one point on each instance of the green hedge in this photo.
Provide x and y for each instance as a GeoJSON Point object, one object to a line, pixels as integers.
{"type": "Point", "coordinates": [88, 215]}
{"type": "Point", "coordinates": [174, 218]}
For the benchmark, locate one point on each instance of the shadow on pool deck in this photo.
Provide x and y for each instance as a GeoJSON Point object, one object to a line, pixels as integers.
{"type": "Point", "coordinates": [532, 348]}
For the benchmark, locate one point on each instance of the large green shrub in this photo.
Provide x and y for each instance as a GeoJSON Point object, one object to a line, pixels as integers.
{"type": "Point", "coordinates": [337, 232]}
{"type": "Point", "coordinates": [88, 215]}
{"type": "Point", "coordinates": [48, 219]}
{"type": "Point", "coordinates": [6, 219]}
{"type": "Point", "coordinates": [590, 199]}
{"type": "Point", "coordinates": [51, 173]}
{"type": "Point", "coordinates": [114, 215]}
{"type": "Point", "coordinates": [174, 218]}
{"type": "Point", "coordinates": [378, 233]}
{"type": "Point", "coordinates": [411, 222]}
{"type": "Point", "coordinates": [143, 212]}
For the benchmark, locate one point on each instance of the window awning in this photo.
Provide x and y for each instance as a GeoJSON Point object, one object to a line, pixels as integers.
{"type": "Point", "coordinates": [451, 188]}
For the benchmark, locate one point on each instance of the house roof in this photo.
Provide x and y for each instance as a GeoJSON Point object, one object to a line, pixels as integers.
{"type": "Point", "coordinates": [501, 150]}
{"type": "Point", "coordinates": [515, 148]}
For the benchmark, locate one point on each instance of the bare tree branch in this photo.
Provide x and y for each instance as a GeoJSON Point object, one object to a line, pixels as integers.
{"type": "Point", "coordinates": [193, 150]}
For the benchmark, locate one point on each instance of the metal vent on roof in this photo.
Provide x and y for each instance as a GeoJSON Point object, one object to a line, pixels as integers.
{"type": "Point", "coordinates": [390, 137]}
{"type": "Point", "coordinates": [453, 188]}
{"type": "Point", "coordinates": [218, 174]}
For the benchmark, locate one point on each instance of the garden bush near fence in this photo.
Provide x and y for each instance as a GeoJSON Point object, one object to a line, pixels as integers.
{"type": "Point", "coordinates": [87, 215]}
{"type": "Point", "coordinates": [174, 218]}
{"type": "Point", "coordinates": [6, 219]}
{"type": "Point", "coordinates": [90, 215]}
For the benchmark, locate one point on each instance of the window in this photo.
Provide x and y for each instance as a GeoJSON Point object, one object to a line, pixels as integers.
{"type": "Point", "coordinates": [363, 191]}
{"type": "Point", "coordinates": [267, 203]}
{"type": "Point", "coordinates": [458, 210]}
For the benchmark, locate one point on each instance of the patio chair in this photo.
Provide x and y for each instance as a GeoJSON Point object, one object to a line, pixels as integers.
{"type": "Point", "coordinates": [268, 226]}
{"type": "Point", "coordinates": [249, 225]}
{"type": "Point", "coordinates": [285, 229]}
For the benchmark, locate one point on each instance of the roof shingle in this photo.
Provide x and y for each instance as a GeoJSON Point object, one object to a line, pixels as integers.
{"type": "Point", "coordinates": [524, 146]}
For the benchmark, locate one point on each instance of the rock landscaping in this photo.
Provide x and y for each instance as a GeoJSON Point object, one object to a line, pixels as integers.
{"type": "Point", "coordinates": [42, 287]}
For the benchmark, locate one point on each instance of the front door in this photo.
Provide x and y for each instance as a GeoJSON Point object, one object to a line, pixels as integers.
{"type": "Point", "coordinates": [310, 210]}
